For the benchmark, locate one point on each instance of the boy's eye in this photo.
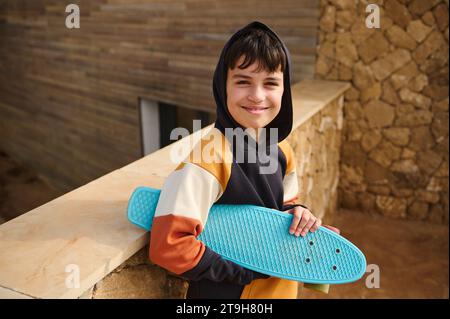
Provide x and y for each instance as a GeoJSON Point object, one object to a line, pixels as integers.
{"type": "Point", "coordinates": [268, 83]}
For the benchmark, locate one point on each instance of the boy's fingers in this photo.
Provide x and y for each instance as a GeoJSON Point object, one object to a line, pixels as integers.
{"type": "Point", "coordinates": [316, 225]}
{"type": "Point", "coordinates": [305, 219]}
{"type": "Point", "coordinates": [306, 216]}
{"type": "Point", "coordinates": [307, 227]}
{"type": "Point", "coordinates": [336, 230]}
{"type": "Point", "coordinates": [297, 216]}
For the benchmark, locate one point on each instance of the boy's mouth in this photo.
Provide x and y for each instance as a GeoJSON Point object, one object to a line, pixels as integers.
{"type": "Point", "coordinates": [255, 109]}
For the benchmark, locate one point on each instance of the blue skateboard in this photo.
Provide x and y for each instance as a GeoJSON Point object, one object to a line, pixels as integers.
{"type": "Point", "coordinates": [257, 238]}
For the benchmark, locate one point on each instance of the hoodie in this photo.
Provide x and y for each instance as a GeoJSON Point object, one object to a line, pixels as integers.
{"type": "Point", "coordinates": [196, 184]}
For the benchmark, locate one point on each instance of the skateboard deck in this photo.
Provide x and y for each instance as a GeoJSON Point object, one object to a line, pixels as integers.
{"type": "Point", "coordinates": [258, 238]}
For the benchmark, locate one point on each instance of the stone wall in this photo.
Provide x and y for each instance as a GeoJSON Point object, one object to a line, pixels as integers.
{"type": "Point", "coordinates": [316, 144]}
{"type": "Point", "coordinates": [395, 139]}
{"type": "Point", "coordinates": [138, 278]}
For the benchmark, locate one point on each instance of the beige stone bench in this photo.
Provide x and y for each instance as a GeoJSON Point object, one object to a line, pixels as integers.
{"type": "Point", "coordinates": [85, 234]}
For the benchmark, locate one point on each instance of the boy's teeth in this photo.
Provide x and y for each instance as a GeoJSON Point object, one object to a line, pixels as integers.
{"type": "Point", "coordinates": [256, 110]}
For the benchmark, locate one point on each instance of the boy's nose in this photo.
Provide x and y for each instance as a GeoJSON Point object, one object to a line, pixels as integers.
{"type": "Point", "coordinates": [256, 95]}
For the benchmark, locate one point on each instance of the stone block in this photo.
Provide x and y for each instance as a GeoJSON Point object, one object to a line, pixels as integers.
{"type": "Point", "coordinates": [398, 13]}
{"type": "Point", "coordinates": [379, 190]}
{"type": "Point", "coordinates": [441, 106]}
{"type": "Point", "coordinates": [397, 135]}
{"type": "Point", "coordinates": [353, 110]}
{"type": "Point", "coordinates": [408, 154]}
{"type": "Point", "coordinates": [418, 30]}
{"type": "Point", "coordinates": [404, 75]}
{"type": "Point", "coordinates": [353, 132]}
{"type": "Point", "coordinates": [352, 94]}
{"type": "Point", "coordinates": [418, 83]}
{"type": "Point", "coordinates": [420, 117]}
{"type": "Point", "coordinates": [439, 126]}
{"type": "Point", "coordinates": [345, 19]}
{"type": "Point", "coordinates": [371, 93]}
{"type": "Point", "coordinates": [140, 282]}
{"type": "Point", "coordinates": [407, 166]}
{"type": "Point", "coordinates": [370, 140]}
{"type": "Point", "coordinates": [434, 42]}
{"type": "Point", "coordinates": [328, 19]}
{"type": "Point", "coordinates": [400, 38]}
{"type": "Point", "coordinates": [429, 161]}
{"type": "Point", "coordinates": [427, 196]}
{"type": "Point", "coordinates": [373, 47]}
{"type": "Point", "coordinates": [419, 7]}
{"type": "Point", "coordinates": [428, 19]}
{"type": "Point", "coordinates": [419, 100]}
{"type": "Point", "coordinates": [391, 207]}
{"type": "Point", "coordinates": [346, 52]}
{"type": "Point", "coordinates": [353, 155]}
{"type": "Point", "coordinates": [379, 114]}
{"type": "Point", "coordinates": [377, 174]}
{"type": "Point", "coordinates": [385, 153]}
{"type": "Point", "coordinates": [344, 4]}
{"type": "Point", "coordinates": [360, 33]}
{"type": "Point", "coordinates": [421, 138]}
{"type": "Point", "coordinates": [389, 94]}
{"type": "Point", "coordinates": [441, 16]}
{"type": "Point", "coordinates": [362, 76]}
{"type": "Point", "coordinates": [382, 68]}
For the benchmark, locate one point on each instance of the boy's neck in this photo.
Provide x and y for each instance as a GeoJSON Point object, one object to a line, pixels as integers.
{"type": "Point", "coordinates": [255, 133]}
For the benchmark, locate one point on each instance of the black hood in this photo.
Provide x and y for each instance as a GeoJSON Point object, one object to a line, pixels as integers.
{"type": "Point", "coordinates": [283, 121]}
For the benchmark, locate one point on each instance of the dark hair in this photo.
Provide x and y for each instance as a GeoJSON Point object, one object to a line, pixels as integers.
{"type": "Point", "coordinates": [256, 45]}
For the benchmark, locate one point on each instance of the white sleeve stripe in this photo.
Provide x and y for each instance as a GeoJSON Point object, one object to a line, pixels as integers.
{"type": "Point", "coordinates": [290, 185]}
{"type": "Point", "coordinates": [189, 192]}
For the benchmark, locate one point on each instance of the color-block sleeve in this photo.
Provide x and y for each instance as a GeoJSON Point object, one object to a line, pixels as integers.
{"type": "Point", "coordinates": [181, 214]}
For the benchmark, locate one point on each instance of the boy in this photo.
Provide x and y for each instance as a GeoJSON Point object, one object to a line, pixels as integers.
{"type": "Point", "coordinates": [252, 91]}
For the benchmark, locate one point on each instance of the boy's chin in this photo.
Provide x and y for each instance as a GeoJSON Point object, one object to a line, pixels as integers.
{"type": "Point", "coordinates": [254, 127]}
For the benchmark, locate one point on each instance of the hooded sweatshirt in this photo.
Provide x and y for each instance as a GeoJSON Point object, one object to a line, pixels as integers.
{"type": "Point", "coordinates": [196, 184]}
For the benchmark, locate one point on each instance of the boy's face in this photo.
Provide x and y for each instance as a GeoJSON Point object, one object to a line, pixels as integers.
{"type": "Point", "coordinates": [254, 98]}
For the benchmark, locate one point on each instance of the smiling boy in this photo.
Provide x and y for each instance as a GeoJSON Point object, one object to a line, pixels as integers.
{"type": "Point", "coordinates": [251, 88]}
{"type": "Point", "coordinates": [253, 95]}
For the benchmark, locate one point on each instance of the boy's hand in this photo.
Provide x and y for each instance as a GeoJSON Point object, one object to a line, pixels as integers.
{"type": "Point", "coordinates": [336, 230]}
{"type": "Point", "coordinates": [305, 221]}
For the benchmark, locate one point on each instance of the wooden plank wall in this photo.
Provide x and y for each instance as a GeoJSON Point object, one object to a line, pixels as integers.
{"type": "Point", "coordinates": [69, 97]}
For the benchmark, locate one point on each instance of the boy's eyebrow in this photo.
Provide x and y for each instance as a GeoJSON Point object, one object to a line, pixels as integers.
{"type": "Point", "coordinates": [249, 77]}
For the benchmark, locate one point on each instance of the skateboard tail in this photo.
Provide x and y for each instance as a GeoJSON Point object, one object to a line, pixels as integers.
{"type": "Point", "coordinates": [142, 206]}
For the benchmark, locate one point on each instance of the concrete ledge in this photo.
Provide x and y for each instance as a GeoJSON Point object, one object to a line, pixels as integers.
{"type": "Point", "coordinates": [85, 233]}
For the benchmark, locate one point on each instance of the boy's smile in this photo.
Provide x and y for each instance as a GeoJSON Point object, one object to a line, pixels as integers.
{"type": "Point", "coordinates": [254, 96]}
